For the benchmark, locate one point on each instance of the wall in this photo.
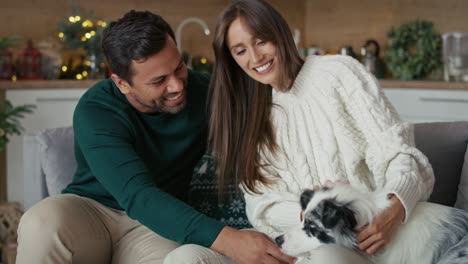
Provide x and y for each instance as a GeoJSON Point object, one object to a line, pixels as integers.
{"type": "Point", "coordinates": [37, 19]}
{"type": "Point", "coordinates": [333, 23]}
{"type": "Point", "coordinates": [329, 24]}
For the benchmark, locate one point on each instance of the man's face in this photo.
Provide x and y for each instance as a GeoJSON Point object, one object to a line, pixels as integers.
{"type": "Point", "coordinates": [158, 82]}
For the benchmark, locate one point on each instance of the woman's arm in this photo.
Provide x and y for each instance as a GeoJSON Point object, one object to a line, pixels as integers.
{"type": "Point", "coordinates": [398, 167]}
{"type": "Point", "coordinates": [274, 210]}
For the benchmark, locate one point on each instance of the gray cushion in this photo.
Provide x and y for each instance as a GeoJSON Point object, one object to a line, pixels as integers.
{"type": "Point", "coordinates": [57, 157]}
{"type": "Point", "coordinates": [462, 195]}
{"type": "Point", "coordinates": [444, 143]}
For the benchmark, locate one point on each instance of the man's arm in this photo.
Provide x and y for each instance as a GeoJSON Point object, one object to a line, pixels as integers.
{"type": "Point", "coordinates": [107, 144]}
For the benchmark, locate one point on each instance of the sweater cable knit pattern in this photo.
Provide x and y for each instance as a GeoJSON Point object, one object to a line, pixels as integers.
{"type": "Point", "coordinates": [336, 123]}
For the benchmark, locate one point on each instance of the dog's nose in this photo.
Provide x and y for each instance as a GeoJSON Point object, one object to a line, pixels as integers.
{"type": "Point", "coordinates": [279, 240]}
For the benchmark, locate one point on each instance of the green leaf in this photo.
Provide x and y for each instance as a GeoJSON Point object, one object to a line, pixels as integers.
{"type": "Point", "coordinates": [414, 50]}
{"type": "Point", "coordinates": [10, 120]}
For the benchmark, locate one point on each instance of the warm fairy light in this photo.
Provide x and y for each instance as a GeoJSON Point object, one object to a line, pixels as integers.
{"type": "Point", "coordinates": [88, 35]}
{"type": "Point", "coordinates": [14, 78]}
{"type": "Point", "coordinates": [87, 23]}
{"type": "Point", "coordinates": [79, 76]}
{"type": "Point", "coordinates": [92, 32]}
{"type": "Point", "coordinates": [203, 60]}
{"type": "Point", "coordinates": [71, 19]}
{"type": "Point", "coordinates": [61, 35]}
{"type": "Point", "coordinates": [85, 73]}
{"type": "Point", "coordinates": [77, 18]}
{"type": "Point", "coordinates": [87, 63]}
{"type": "Point", "coordinates": [83, 38]}
{"type": "Point", "coordinates": [101, 23]}
{"type": "Point", "coordinates": [64, 68]}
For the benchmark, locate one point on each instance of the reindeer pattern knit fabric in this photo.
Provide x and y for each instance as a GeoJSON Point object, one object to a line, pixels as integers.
{"type": "Point", "coordinates": [335, 123]}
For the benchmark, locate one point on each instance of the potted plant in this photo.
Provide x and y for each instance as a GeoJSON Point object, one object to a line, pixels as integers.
{"type": "Point", "coordinates": [10, 120]}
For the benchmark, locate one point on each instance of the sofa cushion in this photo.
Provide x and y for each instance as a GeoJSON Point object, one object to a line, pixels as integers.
{"type": "Point", "coordinates": [203, 196]}
{"type": "Point", "coordinates": [462, 195]}
{"type": "Point", "coordinates": [57, 157]}
{"type": "Point", "coordinates": [444, 144]}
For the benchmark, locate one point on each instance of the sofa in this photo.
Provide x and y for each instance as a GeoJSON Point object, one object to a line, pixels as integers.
{"type": "Point", "coordinates": [49, 166]}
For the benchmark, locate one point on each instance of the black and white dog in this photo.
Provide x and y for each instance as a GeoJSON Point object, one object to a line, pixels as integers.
{"type": "Point", "coordinates": [433, 233]}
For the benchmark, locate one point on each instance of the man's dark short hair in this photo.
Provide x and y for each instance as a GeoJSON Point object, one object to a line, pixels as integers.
{"type": "Point", "coordinates": [135, 36]}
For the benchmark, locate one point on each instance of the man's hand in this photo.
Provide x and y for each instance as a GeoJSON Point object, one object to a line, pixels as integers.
{"type": "Point", "coordinates": [247, 247]}
{"type": "Point", "coordinates": [376, 235]}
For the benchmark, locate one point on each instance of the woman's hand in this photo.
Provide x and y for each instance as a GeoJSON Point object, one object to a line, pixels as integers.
{"type": "Point", "coordinates": [374, 236]}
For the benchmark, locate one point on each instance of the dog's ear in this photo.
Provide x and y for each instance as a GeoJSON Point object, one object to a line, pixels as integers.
{"type": "Point", "coordinates": [333, 213]}
{"type": "Point", "coordinates": [305, 198]}
{"type": "Point", "coordinates": [349, 220]}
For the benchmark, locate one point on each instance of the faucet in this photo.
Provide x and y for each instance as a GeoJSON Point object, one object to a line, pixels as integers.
{"type": "Point", "coordinates": [178, 33]}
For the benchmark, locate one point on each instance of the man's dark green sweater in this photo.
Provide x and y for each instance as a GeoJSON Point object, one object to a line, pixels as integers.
{"type": "Point", "coordinates": [142, 163]}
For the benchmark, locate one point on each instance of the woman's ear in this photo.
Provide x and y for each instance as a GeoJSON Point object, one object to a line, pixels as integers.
{"type": "Point", "coordinates": [123, 85]}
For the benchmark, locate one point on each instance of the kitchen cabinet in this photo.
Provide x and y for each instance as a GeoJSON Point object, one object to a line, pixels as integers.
{"type": "Point", "coordinates": [54, 108]}
{"type": "Point", "coordinates": [428, 105]}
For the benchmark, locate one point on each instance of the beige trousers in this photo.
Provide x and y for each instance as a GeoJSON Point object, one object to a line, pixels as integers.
{"type": "Point", "coordinates": [72, 229]}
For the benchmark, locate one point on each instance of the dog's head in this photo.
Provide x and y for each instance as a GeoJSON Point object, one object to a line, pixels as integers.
{"type": "Point", "coordinates": [326, 220]}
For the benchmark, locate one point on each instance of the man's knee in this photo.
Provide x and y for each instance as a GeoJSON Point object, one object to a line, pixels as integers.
{"type": "Point", "coordinates": [38, 222]}
{"type": "Point", "coordinates": [49, 218]}
{"type": "Point", "coordinates": [195, 254]}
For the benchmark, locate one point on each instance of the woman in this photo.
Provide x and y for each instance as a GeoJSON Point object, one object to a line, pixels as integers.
{"type": "Point", "coordinates": [280, 124]}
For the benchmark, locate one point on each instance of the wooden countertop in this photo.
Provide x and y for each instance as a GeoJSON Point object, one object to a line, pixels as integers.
{"type": "Point", "coordinates": [46, 84]}
{"type": "Point", "coordinates": [440, 85]}
{"type": "Point", "coordinates": [73, 84]}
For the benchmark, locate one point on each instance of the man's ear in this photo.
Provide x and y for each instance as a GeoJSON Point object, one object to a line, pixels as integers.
{"type": "Point", "coordinates": [123, 85]}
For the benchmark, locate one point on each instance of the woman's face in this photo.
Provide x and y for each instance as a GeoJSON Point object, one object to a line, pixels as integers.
{"type": "Point", "coordinates": [258, 58]}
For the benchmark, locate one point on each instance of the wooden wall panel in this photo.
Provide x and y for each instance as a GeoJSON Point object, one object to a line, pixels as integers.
{"type": "Point", "coordinates": [294, 12]}
{"type": "Point", "coordinates": [333, 23]}
{"type": "Point", "coordinates": [329, 24]}
{"type": "Point", "coordinates": [37, 19]}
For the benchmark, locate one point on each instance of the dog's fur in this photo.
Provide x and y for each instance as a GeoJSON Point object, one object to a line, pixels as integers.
{"type": "Point", "coordinates": [433, 233]}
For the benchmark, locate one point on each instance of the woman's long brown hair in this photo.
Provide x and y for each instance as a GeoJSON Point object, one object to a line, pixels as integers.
{"type": "Point", "coordinates": [240, 126]}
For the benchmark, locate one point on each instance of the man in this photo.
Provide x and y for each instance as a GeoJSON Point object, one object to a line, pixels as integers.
{"type": "Point", "coordinates": [138, 137]}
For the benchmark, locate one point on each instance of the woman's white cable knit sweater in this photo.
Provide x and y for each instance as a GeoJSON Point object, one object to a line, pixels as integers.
{"type": "Point", "coordinates": [335, 123]}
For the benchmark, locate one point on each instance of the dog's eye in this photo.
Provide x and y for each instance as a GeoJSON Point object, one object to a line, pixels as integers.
{"type": "Point", "coordinates": [309, 227]}
{"type": "Point", "coordinates": [313, 230]}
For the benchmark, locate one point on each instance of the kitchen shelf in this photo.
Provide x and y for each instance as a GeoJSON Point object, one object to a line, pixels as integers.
{"type": "Point", "coordinates": [441, 85]}
{"type": "Point", "coordinates": [46, 84]}
{"type": "Point", "coordinates": [51, 84]}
